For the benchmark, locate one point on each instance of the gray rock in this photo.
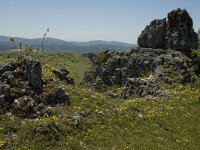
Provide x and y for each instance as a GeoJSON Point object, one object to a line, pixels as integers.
{"type": "Point", "coordinates": [7, 67]}
{"type": "Point", "coordinates": [154, 35]}
{"type": "Point", "coordinates": [5, 90]}
{"type": "Point", "coordinates": [175, 33]}
{"type": "Point", "coordinates": [143, 88]}
{"type": "Point", "coordinates": [168, 66]}
{"type": "Point", "coordinates": [62, 96]}
{"type": "Point", "coordinates": [62, 75]}
{"type": "Point", "coordinates": [180, 32]}
{"type": "Point", "coordinates": [7, 76]}
{"type": "Point", "coordinates": [58, 96]}
{"type": "Point", "coordinates": [33, 72]}
{"type": "Point", "coordinates": [27, 107]}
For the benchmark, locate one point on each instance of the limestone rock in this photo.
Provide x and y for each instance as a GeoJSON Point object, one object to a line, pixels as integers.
{"type": "Point", "coordinates": [165, 65]}
{"type": "Point", "coordinates": [7, 67]}
{"type": "Point", "coordinates": [180, 32]}
{"type": "Point", "coordinates": [144, 88]}
{"type": "Point", "coordinates": [154, 35]}
{"type": "Point", "coordinates": [62, 75]}
{"type": "Point", "coordinates": [5, 90]}
{"type": "Point", "coordinates": [175, 33]}
{"type": "Point", "coordinates": [58, 96]}
{"type": "Point", "coordinates": [33, 72]}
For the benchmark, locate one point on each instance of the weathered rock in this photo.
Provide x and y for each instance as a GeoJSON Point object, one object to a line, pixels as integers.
{"type": "Point", "coordinates": [27, 107]}
{"type": "Point", "coordinates": [180, 32]}
{"type": "Point", "coordinates": [154, 35]}
{"type": "Point", "coordinates": [62, 75]}
{"type": "Point", "coordinates": [7, 76]}
{"type": "Point", "coordinates": [165, 65]}
{"type": "Point", "coordinates": [59, 96]}
{"type": "Point", "coordinates": [21, 89]}
{"type": "Point", "coordinates": [143, 88]}
{"type": "Point", "coordinates": [7, 67]}
{"type": "Point", "coordinates": [33, 72]}
{"type": "Point", "coordinates": [175, 33]}
{"type": "Point", "coordinates": [5, 90]}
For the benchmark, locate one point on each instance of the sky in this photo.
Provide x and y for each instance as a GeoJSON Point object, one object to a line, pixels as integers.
{"type": "Point", "coordinates": [85, 20]}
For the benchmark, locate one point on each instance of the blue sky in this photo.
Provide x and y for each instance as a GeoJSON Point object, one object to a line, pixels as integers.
{"type": "Point", "coordinates": [84, 20]}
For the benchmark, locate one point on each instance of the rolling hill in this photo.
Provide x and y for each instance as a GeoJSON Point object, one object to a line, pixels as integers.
{"type": "Point", "coordinates": [52, 44]}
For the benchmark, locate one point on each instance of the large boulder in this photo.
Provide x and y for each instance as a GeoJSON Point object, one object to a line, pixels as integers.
{"type": "Point", "coordinates": [154, 35]}
{"type": "Point", "coordinates": [175, 33]}
{"type": "Point", "coordinates": [180, 32]}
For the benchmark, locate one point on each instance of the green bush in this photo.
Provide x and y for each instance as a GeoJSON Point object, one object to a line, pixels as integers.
{"type": "Point", "coordinates": [102, 57]}
{"type": "Point", "coordinates": [196, 61]}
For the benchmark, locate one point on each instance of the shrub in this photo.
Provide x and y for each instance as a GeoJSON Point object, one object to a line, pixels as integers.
{"type": "Point", "coordinates": [102, 57]}
{"type": "Point", "coordinates": [196, 61]}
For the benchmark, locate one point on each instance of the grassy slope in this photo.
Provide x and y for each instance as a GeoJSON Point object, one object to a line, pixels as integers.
{"type": "Point", "coordinates": [76, 63]}
{"type": "Point", "coordinates": [108, 123]}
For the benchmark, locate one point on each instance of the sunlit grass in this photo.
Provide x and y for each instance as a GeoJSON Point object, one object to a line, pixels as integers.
{"type": "Point", "coordinates": [106, 123]}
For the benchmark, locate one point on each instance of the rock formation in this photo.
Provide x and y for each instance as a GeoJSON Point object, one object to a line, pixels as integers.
{"type": "Point", "coordinates": [180, 32]}
{"type": "Point", "coordinates": [119, 68]}
{"type": "Point", "coordinates": [154, 35]}
{"type": "Point", "coordinates": [175, 33]}
{"type": "Point", "coordinates": [62, 75]}
{"type": "Point", "coordinates": [23, 92]}
{"type": "Point", "coordinates": [33, 72]}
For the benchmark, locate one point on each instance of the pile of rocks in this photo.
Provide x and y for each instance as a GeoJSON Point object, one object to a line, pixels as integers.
{"type": "Point", "coordinates": [165, 66]}
{"type": "Point", "coordinates": [145, 88]}
{"type": "Point", "coordinates": [22, 89]}
{"type": "Point", "coordinates": [175, 32]}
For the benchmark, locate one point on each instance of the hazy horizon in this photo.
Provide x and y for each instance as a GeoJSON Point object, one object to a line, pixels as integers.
{"type": "Point", "coordinates": [78, 20]}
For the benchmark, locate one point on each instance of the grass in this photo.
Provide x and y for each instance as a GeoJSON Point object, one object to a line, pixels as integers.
{"type": "Point", "coordinates": [76, 63]}
{"type": "Point", "coordinates": [104, 122]}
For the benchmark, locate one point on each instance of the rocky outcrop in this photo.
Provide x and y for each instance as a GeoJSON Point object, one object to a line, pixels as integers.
{"type": "Point", "coordinates": [58, 96]}
{"type": "Point", "coordinates": [175, 33]}
{"type": "Point", "coordinates": [33, 72]}
{"type": "Point", "coordinates": [154, 35]}
{"type": "Point", "coordinates": [62, 75]}
{"type": "Point", "coordinates": [164, 66]}
{"type": "Point", "coordinates": [180, 32]}
{"type": "Point", "coordinates": [144, 88]}
{"type": "Point", "coordinates": [26, 106]}
{"type": "Point", "coordinates": [23, 91]}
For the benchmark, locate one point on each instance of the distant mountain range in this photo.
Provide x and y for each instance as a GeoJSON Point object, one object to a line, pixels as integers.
{"type": "Point", "coordinates": [52, 44]}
